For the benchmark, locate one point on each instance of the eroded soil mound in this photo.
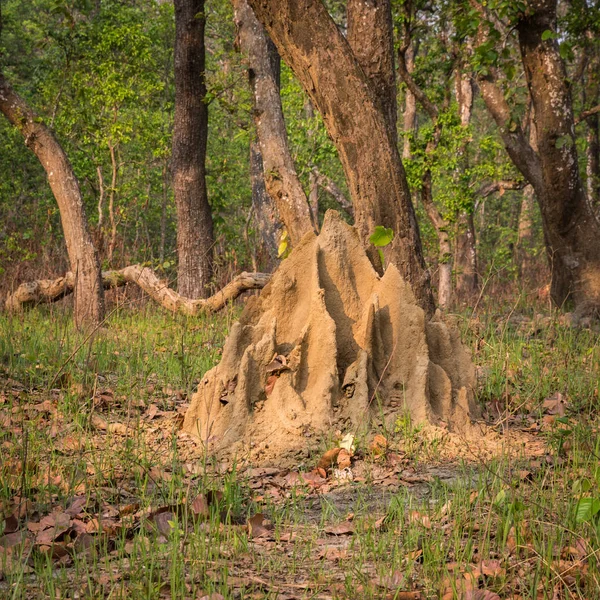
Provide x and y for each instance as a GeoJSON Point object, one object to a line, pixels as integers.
{"type": "Point", "coordinates": [329, 344]}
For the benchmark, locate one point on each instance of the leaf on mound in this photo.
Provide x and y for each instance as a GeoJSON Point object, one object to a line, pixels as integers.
{"type": "Point", "coordinates": [344, 459]}
{"type": "Point", "coordinates": [381, 236]}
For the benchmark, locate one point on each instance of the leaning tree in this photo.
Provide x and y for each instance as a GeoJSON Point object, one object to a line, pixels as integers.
{"type": "Point", "coordinates": [358, 123]}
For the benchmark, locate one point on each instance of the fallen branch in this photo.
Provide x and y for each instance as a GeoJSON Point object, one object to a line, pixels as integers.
{"type": "Point", "coordinates": [50, 290]}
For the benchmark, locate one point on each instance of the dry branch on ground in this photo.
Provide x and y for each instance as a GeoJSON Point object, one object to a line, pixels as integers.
{"type": "Point", "coordinates": [50, 290]}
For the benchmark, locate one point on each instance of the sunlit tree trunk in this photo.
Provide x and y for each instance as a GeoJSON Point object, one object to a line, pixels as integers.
{"type": "Point", "coordinates": [194, 220]}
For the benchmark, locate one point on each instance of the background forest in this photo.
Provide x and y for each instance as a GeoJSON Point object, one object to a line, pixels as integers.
{"type": "Point", "coordinates": [100, 74]}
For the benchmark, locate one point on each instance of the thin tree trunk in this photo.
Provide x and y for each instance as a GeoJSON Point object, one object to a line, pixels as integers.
{"type": "Point", "coordinates": [409, 116]}
{"type": "Point", "coordinates": [163, 212]}
{"type": "Point", "coordinates": [525, 232]}
{"type": "Point", "coordinates": [88, 290]}
{"type": "Point", "coordinates": [265, 211]}
{"type": "Point", "coordinates": [194, 220]}
{"type": "Point", "coordinates": [442, 228]}
{"type": "Point", "coordinates": [467, 280]}
{"type": "Point", "coordinates": [111, 202]}
{"type": "Point", "coordinates": [321, 58]}
{"type": "Point", "coordinates": [280, 176]}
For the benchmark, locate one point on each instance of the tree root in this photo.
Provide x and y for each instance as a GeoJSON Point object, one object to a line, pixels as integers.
{"type": "Point", "coordinates": [44, 291]}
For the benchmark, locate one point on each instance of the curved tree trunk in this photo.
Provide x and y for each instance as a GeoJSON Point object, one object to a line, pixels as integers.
{"type": "Point", "coordinates": [194, 220]}
{"type": "Point", "coordinates": [88, 290]}
{"type": "Point", "coordinates": [280, 176]}
{"type": "Point", "coordinates": [321, 58]}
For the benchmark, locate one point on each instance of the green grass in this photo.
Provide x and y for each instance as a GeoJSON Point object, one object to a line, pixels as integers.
{"type": "Point", "coordinates": [516, 509]}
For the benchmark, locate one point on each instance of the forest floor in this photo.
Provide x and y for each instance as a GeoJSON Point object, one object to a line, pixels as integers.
{"type": "Point", "coordinates": [101, 496]}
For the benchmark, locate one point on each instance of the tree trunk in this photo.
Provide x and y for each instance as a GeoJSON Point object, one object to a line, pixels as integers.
{"type": "Point", "coordinates": [467, 279]}
{"type": "Point", "coordinates": [571, 229]}
{"type": "Point", "coordinates": [88, 290]}
{"type": "Point", "coordinates": [265, 210]}
{"type": "Point", "coordinates": [525, 233]}
{"type": "Point", "coordinates": [371, 37]}
{"type": "Point", "coordinates": [321, 58]}
{"type": "Point", "coordinates": [409, 116]}
{"type": "Point", "coordinates": [467, 282]}
{"type": "Point", "coordinates": [442, 228]}
{"type": "Point", "coordinates": [194, 221]}
{"type": "Point", "coordinates": [280, 176]}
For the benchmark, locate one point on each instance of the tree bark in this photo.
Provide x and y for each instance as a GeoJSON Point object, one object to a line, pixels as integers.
{"type": "Point", "coordinates": [88, 292]}
{"type": "Point", "coordinates": [194, 220]}
{"type": "Point", "coordinates": [371, 37]}
{"type": "Point", "coordinates": [265, 211]}
{"type": "Point", "coordinates": [50, 290]}
{"type": "Point", "coordinates": [280, 176]}
{"type": "Point", "coordinates": [321, 58]}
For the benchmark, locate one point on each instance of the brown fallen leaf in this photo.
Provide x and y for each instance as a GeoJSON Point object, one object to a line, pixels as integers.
{"type": "Point", "coordinates": [99, 423]}
{"type": "Point", "coordinates": [328, 459]}
{"type": "Point", "coordinates": [77, 505]}
{"type": "Point", "coordinates": [13, 539]}
{"type": "Point", "coordinates": [491, 568]}
{"type": "Point", "coordinates": [343, 459]}
{"type": "Point", "coordinates": [271, 381]}
{"type": "Point", "coordinates": [332, 553]}
{"type": "Point", "coordinates": [213, 596]}
{"type": "Point", "coordinates": [258, 528]}
{"type": "Point", "coordinates": [390, 582]}
{"type": "Point", "coordinates": [199, 507]}
{"type": "Point", "coordinates": [165, 522]}
{"type": "Point", "coordinates": [11, 524]}
{"type": "Point", "coordinates": [416, 517]}
{"type": "Point", "coordinates": [379, 445]}
{"type": "Point", "coordinates": [52, 527]}
{"type": "Point", "coordinates": [343, 528]}
{"type": "Point", "coordinates": [555, 405]}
